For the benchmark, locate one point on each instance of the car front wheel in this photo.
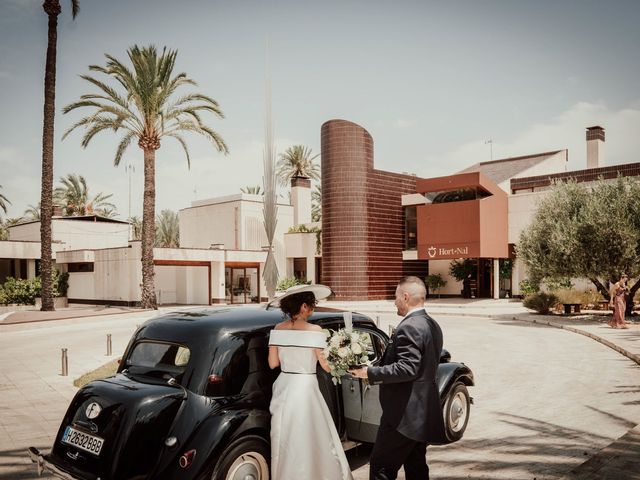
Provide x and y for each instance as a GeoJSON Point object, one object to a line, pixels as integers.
{"type": "Point", "coordinates": [456, 411]}
{"type": "Point", "coordinates": [245, 459]}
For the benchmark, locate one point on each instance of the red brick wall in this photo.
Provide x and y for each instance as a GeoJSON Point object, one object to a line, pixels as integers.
{"type": "Point", "coordinates": [362, 217]}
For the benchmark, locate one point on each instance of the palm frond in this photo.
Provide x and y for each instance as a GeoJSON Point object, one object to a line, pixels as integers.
{"type": "Point", "coordinates": [122, 146]}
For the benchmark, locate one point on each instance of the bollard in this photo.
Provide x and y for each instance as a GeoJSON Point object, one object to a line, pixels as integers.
{"type": "Point", "coordinates": [109, 345]}
{"type": "Point", "coordinates": [65, 363]}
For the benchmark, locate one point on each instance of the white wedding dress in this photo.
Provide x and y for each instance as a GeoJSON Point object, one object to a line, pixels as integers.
{"type": "Point", "coordinates": [304, 441]}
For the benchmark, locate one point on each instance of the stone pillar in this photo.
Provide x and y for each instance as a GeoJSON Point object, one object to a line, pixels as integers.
{"type": "Point", "coordinates": [496, 278]}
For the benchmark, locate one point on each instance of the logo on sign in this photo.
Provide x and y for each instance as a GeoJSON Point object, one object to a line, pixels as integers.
{"type": "Point", "coordinates": [431, 252]}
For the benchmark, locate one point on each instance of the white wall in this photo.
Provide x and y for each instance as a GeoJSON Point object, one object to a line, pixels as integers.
{"type": "Point", "coordinates": [521, 207]}
{"type": "Point", "coordinates": [184, 285]}
{"type": "Point", "coordinates": [442, 267]}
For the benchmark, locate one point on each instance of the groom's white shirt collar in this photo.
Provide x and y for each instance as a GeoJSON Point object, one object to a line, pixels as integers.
{"type": "Point", "coordinates": [412, 310]}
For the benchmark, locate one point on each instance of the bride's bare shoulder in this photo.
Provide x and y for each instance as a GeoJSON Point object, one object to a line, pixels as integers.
{"type": "Point", "coordinates": [313, 328]}
{"type": "Point", "coordinates": [283, 325]}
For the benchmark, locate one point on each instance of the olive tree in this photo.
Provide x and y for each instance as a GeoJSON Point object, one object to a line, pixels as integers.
{"type": "Point", "coordinates": [585, 231]}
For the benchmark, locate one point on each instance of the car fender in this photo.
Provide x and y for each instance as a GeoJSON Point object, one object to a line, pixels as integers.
{"type": "Point", "coordinates": [208, 438]}
{"type": "Point", "coordinates": [451, 372]}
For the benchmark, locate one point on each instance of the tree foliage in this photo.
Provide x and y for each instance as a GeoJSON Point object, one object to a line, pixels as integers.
{"type": "Point", "coordinates": [143, 105]}
{"type": "Point", "coordinates": [297, 161]}
{"type": "Point", "coordinates": [73, 196]}
{"type": "Point", "coordinates": [167, 230]}
{"type": "Point", "coordinates": [585, 231]}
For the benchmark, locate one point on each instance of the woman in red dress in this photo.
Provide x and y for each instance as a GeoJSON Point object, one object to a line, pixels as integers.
{"type": "Point", "coordinates": [618, 302]}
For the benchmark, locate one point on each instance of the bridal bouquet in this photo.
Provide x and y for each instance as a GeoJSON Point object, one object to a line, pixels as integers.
{"type": "Point", "coordinates": [345, 349]}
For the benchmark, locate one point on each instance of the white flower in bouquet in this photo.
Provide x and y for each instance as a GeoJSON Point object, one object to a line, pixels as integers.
{"type": "Point", "coordinates": [344, 351]}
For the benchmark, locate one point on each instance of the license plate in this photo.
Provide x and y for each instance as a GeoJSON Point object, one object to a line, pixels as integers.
{"type": "Point", "coordinates": [82, 440]}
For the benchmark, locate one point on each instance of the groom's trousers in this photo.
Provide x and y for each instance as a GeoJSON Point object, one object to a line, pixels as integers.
{"type": "Point", "coordinates": [391, 451]}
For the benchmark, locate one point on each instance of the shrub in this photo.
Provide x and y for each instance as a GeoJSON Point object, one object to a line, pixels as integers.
{"type": "Point", "coordinates": [21, 292]}
{"type": "Point", "coordinates": [291, 282]}
{"type": "Point", "coordinates": [435, 282]}
{"type": "Point", "coordinates": [24, 292]}
{"type": "Point", "coordinates": [527, 287]}
{"type": "Point", "coordinates": [60, 283]}
{"type": "Point", "coordinates": [540, 302]}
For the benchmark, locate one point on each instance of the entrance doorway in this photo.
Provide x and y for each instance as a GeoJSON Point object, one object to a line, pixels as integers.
{"type": "Point", "coordinates": [242, 284]}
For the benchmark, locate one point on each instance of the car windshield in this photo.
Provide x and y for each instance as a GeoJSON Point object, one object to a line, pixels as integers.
{"type": "Point", "coordinates": [163, 360]}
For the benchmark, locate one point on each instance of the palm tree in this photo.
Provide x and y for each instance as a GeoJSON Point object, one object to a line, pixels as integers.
{"type": "Point", "coordinates": [316, 204]}
{"type": "Point", "coordinates": [9, 222]}
{"type": "Point", "coordinates": [3, 202]}
{"type": "Point", "coordinates": [143, 106]}
{"type": "Point", "coordinates": [167, 230]}
{"type": "Point", "coordinates": [32, 212]}
{"type": "Point", "coordinates": [297, 161]}
{"type": "Point", "coordinates": [136, 227]}
{"type": "Point", "coordinates": [253, 190]}
{"type": "Point", "coordinates": [74, 197]}
{"type": "Point", "coordinates": [52, 9]}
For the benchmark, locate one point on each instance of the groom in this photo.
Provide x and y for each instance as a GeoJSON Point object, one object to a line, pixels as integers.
{"type": "Point", "coordinates": [411, 410]}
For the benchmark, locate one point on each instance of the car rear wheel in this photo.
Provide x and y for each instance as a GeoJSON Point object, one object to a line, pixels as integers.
{"type": "Point", "coordinates": [245, 459]}
{"type": "Point", "coordinates": [456, 411]}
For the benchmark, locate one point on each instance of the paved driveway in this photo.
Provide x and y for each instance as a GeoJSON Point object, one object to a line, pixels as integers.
{"type": "Point", "coordinates": [546, 399]}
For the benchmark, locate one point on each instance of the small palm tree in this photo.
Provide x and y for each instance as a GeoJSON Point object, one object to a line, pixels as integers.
{"type": "Point", "coordinates": [297, 161]}
{"type": "Point", "coordinates": [167, 230]}
{"type": "Point", "coordinates": [32, 213]}
{"type": "Point", "coordinates": [136, 227]}
{"type": "Point", "coordinates": [316, 203]}
{"type": "Point", "coordinates": [143, 106]}
{"type": "Point", "coordinates": [74, 197]}
{"type": "Point", "coordinates": [52, 9]}
{"type": "Point", "coordinates": [253, 190]}
{"type": "Point", "coordinates": [3, 202]}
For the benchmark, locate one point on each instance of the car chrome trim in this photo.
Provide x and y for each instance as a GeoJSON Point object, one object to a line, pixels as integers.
{"type": "Point", "coordinates": [45, 466]}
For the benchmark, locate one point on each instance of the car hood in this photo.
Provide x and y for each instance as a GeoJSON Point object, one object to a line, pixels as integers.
{"type": "Point", "coordinates": [135, 416]}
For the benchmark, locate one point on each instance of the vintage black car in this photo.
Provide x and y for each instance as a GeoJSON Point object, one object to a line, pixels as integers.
{"type": "Point", "coordinates": [191, 401]}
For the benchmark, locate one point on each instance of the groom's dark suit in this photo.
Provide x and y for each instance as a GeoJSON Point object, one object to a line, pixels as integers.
{"type": "Point", "coordinates": [411, 409]}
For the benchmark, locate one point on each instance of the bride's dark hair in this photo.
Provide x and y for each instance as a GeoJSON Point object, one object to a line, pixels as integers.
{"type": "Point", "coordinates": [291, 305]}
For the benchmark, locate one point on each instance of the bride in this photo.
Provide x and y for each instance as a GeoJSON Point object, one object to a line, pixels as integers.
{"type": "Point", "coordinates": [304, 440]}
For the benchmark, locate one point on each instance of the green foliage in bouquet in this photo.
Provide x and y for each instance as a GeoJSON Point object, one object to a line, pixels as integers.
{"type": "Point", "coordinates": [345, 350]}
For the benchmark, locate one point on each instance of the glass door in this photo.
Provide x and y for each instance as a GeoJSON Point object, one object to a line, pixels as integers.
{"type": "Point", "coordinates": [241, 285]}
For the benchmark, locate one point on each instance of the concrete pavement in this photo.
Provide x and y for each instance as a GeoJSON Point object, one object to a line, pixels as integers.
{"type": "Point", "coordinates": [503, 428]}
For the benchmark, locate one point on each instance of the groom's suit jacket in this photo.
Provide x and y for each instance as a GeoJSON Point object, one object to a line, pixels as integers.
{"type": "Point", "coordinates": [407, 376]}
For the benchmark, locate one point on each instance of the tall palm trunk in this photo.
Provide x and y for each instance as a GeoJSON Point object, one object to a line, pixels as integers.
{"type": "Point", "coordinates": [148, 299]}
{"type": "Point", "coordinates": [52, 8]}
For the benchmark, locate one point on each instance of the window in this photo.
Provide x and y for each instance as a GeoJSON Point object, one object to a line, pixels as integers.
{"type": "Point", "coordinates": [157, 359]}
{"type": "Point", "coordinates": [375, 345]}
{"type": "Point", "coordinates": [410, 228]}
{"type": "Point", "coordinates": [80, 267]}
{"type": "Point", "coordinates": [461, 195]}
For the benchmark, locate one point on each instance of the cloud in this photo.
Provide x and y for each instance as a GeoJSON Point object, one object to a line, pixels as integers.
{"type": "Point", "coordinates": [402, 123]}
{"type": "Point", "coordinates": [566, 130]}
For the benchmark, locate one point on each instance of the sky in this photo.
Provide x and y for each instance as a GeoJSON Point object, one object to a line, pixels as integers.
{"type": "Point", "coordinates": [432, 82]}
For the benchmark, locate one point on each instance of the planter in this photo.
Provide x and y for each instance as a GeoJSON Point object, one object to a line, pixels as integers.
{"type": "Point", "coordinates": [58, 302]}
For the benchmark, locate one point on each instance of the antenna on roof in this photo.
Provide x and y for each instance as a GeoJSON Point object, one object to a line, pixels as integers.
{"type": "Point", "coordinates": [490, 143]}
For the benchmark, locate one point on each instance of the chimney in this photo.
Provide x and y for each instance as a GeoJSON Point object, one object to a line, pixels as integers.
{"type": "Point", "coordinates": [301, 200]}
{"type": "Point", "coordinates": [595, 147]}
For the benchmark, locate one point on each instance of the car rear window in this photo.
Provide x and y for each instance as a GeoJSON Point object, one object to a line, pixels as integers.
{"type": "Point", "coordinates": [163, 360]}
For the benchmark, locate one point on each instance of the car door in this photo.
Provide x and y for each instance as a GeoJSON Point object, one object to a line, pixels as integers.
{"type": "Point", "coordinates": [361, 403]}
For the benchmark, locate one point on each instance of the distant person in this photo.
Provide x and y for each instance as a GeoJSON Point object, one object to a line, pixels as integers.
{"type": "Point", "coordinates": [619, 303]}
{"type": "Point", "coordinates": [411, 410]}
